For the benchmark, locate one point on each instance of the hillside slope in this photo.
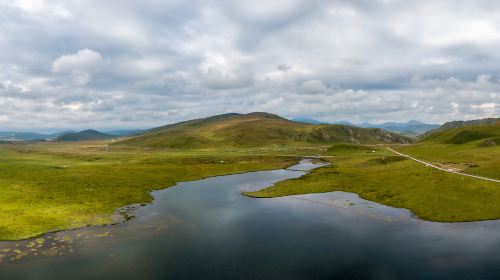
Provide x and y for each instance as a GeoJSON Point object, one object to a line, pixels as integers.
{"type": "Point", "coordinates": [459, 132]}
{"type": "Point", "coordinates": [255, 130]}
{"type": "Point", "coordinates": [411, 128]}
{"type": "Point", "coordinates": [458, 124]}
{"type": "Point", "coordinates": [84, 135]}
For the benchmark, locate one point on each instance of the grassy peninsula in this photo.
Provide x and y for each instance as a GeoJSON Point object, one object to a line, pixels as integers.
{"type": "Point", "coordinates": [378, 175]}
{"type": "Point", "coordinates": [399, 182]}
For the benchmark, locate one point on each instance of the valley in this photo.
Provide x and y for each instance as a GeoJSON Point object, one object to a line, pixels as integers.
{"type": "Point", "coordinates": [52, 186]}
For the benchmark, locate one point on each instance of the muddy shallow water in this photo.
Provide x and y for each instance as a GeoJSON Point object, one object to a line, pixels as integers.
{"type": "Point", "coordinates": [207, 230]}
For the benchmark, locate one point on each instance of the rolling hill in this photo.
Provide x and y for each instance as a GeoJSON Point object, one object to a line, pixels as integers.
{"type": "Point", "coordinates": [410, 128]}
{"type": "Point", "coordinates": [458, 124]}
{"type": "Point", "coordinates": [256, 130]}
{"type": "Point", "coordinates": [461, 132]}
{"type": "Point", "coordinates": [83, 135]}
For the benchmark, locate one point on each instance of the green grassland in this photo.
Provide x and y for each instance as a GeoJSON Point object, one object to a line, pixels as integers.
{"type": "Point", "coordinates": [346, 149]}
{"type": "Point", "coordinates": [399, 182]}
{"type": "Point", "coordinates": [377, 175]}
{"type": "Point", "coordinates": [54, 186]}
{"type": "Point", "coordinates": [465, 134]}
{"type": "Point", "coordinates": [474, 150]}
{"type": "Point", "coordinates": [62, 185]}
{"type": "Point", "coordinates": [468, 158]}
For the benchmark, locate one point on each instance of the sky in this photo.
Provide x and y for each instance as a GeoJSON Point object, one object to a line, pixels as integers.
{"type": "Point", "coordinates": [134, 64]}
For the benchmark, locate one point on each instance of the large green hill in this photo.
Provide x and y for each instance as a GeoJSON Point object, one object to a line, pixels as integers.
{"type": "Point", "coordinates": [84, 135]}
{"type": "Point", "coordinates": [487, 130]}
{"type": "Point", "coordinates": [256, 130]}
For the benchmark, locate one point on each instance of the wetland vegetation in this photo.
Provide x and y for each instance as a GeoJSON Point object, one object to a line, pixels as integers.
{"type": "Point", "coordinates": [55, 186]}
{"type": "Point", "coordinates": [51, 186]}
{"type": "Point", "coordinates": [396, 181]}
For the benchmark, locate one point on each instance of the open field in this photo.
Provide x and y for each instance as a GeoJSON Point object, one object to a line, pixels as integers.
{"type": "Point", "coordinates": [469, 149]}
{"type": "Point", "coordinates": [443, 168]}
{"type": "Point", "coordinates": [399, 182]}
{"type": "Point", "coordinates": [55, 186]}
{"type": "Point", "coordinates": [468, 158]}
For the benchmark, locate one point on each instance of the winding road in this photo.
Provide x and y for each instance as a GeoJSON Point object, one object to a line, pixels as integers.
{"type": "Point", "coordinates": [443, 169]}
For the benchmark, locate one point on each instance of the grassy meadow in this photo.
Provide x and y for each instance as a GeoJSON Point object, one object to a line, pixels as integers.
{"type": "Point", "coordinates": [471, 157]}
{"type": "Point", "coordinates": [54, 186]}
{"type": "Point", "coordinates": [58, 185]}
{"type": "Point", "coordinates": [378, 175]}
{"type": "Point", "coordinates": [470, 149]}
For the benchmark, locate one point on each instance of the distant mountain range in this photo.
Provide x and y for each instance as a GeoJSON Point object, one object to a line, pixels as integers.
{"type": "Point", "coordinates": [25, 136]}
{"type": "Point", "coordinates": [29, 136]}
{"type": "Point", "coordinates": [264, 129]}
{"type": "Point", "coordinates": [33, 136]}
{"type": "Point", "coordinates": [307, 120]}
{"type": "Point", "coordinates": [410, 128]}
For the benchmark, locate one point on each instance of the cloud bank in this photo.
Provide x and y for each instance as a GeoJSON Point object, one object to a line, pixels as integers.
{"type": "Point", "coordinates": [110, 64]}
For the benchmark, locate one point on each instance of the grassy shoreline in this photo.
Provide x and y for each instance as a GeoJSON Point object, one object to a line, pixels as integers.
{"type": "Point", "coordinates": [46, 188]}
{"type": "Point", "coordinates": [398, 182]}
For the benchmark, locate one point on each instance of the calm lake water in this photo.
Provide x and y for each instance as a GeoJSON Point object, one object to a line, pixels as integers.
{"type": "Point", "coordinates": [207, 230]}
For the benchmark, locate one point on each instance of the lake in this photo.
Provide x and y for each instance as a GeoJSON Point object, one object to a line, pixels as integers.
{"type": "Point", "coordinates": [207, 230]}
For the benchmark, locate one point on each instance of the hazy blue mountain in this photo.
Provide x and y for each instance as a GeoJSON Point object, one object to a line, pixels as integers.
{"type": "Point", "coordinates": [35, 136]}
{"type": "Point", "coordinates": [22, 136]}
{"type": "Point", "coordinates": [412, 127]}
{"type": "Point", "coordinates": [345, 123]}
{"type": "Point", "coordinates": [313, 121]}
{"type": "Point", "coordinates": [306, 120]}
{"type": "Point", "coordinates": [30, 136]}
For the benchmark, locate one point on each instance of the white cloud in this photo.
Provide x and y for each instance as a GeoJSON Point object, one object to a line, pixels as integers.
{"type": "Point", "coordinates": [83, 59]}
{"type": "Point", "coordinates": [437, 61]}
{"type": "Point", "coordinates": [314, 87]}
{"type": "Point", "coordinates": [43, 8]}
{"type": "Point", "coordinates": [216, 79]}
{"type": "Point", "coordinates": [63, 61]}
{"type": "Point", "coordinates": [264, 11]}
{"type": "Point", "coordinates": [80, 65]}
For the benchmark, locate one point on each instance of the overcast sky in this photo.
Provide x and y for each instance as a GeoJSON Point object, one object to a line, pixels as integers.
{"type": "Point", "coordinates": [123, 63]}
